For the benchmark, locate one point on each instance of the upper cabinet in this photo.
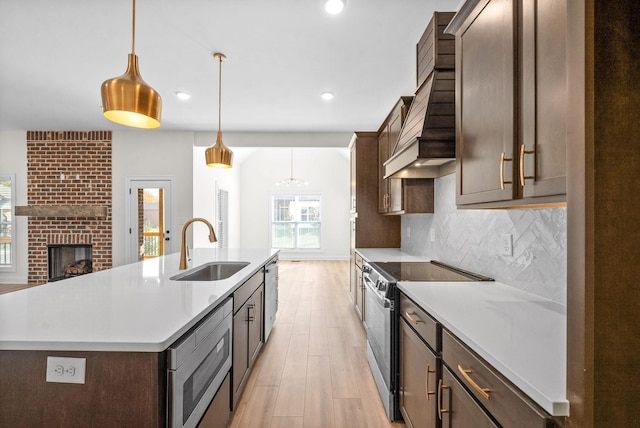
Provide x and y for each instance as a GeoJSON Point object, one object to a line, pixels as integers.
{"type": "Point", "coordinates": [511, 101]}
{"type": "Point", "coordinates": [399, 195]}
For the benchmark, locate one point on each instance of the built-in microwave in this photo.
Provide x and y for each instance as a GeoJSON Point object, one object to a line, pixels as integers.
{"type": "Point", "coordinates": [197, 365]}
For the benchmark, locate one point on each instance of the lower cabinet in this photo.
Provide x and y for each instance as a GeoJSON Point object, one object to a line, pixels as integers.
{"type": "Point", "coordinates": [499, 398]}
{"type": "Point", "coordinates": [247, 331]}
{"type": "Point", "coordinates": [357, 284]}
{"type": "Point", "coordinates": [443, 383]}
{"type": "Point", "coordinates": [419, 375]}
{"type": "Point", "coordinates": [219, 412]}
{"type": "Point", "coordinates": [457, 408]}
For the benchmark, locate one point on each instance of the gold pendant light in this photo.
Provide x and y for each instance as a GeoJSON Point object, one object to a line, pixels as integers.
{"type": "Point", "coordinates": [219, 155]}
{"type": "Point", "coordinates": [127, 99]}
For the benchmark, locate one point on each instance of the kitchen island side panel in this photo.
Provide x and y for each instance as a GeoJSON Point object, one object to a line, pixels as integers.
{"type": "Point", "coordinates": [120, 389]}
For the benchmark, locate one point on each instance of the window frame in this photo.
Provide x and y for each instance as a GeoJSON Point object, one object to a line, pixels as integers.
{"type": "Point", "coordinates": [272, 219]}
{"type": "Point", "coordinates": [11, 267]}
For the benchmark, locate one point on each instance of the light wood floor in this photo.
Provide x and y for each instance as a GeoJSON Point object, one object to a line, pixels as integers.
{"type": "Point", "coordinates": [313, 371]}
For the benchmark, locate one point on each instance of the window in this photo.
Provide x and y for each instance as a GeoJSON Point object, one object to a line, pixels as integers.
{"type": "Point", "coordinates": [7, 198]}
{"type": "Point", "coordinates": [295, 223]}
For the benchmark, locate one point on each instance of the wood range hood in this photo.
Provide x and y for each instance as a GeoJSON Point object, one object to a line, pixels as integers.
{"type": "Point", "coordinates": [427, 143]}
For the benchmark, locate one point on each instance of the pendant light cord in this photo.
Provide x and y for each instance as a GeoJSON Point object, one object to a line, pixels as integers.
{"type": "Point", "coordinates": [219, 92]}
{"type": "Point", "coordinates": [133, 29]}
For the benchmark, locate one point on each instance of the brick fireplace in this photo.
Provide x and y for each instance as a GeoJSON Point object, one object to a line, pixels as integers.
{"type": "Point", "coordinates": [68, 196]}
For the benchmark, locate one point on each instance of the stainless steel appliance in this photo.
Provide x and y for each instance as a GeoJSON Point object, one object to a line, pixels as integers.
{"type": "Point", "coordinates": [197, 365]}
{"type": "Point", "coordinates": [381, 320]}
{"type": "Point", "coordinates": [270, 296]}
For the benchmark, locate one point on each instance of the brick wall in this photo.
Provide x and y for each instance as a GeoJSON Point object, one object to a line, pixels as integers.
{"type": "Point", "coordinates": [68, 168]}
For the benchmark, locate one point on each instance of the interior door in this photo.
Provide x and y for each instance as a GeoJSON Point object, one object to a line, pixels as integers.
{"type": "Point", "coordinates": [149, 222]}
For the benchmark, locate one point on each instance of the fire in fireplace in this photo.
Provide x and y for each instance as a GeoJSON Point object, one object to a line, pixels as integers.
{"type": "Point", "coordinates": [67, 260]}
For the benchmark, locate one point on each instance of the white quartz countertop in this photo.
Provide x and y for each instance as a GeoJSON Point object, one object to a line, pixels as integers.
{"type": "Point", "coordinates": [133, 307]}
{"type": "Point", "coordinates": [388, 255]}
{"type": "Point", "coordinates": [522, 335]}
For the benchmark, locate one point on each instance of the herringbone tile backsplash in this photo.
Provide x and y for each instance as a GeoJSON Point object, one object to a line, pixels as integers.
{"type": "Point", "coordinates": [471, 239]}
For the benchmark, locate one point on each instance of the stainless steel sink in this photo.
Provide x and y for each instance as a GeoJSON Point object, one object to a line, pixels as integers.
{"type": "Point", "coordinates": [213, 271]}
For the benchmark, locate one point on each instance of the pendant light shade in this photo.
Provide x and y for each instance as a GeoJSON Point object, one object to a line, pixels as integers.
{"type": "Point", "coordinates": [129, 100]}
{"type": "Point", "coordinates": [219, 155]}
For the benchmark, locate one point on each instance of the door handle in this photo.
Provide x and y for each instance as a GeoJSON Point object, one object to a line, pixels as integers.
{"type": "Point", "coordinates": [503, 159]}
{"type": "Point", "coordinates": [428, 371]}
{"type": "Point", "coordinates": [441, 388]}
{"type": "Point", "coordinates": [250, 316]}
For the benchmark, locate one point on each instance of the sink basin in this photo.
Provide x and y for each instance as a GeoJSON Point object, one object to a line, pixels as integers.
{"type": "Point", "coordinates": [213, 271]}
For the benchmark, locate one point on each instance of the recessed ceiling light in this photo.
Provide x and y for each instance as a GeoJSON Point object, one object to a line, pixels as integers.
{"type": "Point", "coordinates": [183, 95]}
{"type": "Point", "coordinates": [334, 6]}
{"type": "Point", "coordinates": [327, 95]}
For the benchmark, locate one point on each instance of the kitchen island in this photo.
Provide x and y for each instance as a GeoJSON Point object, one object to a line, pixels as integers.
{"type": "Point", "coordinates": [121, 321]}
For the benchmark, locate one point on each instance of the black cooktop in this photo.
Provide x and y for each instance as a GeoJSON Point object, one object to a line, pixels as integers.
{"type": "Point", "coordinates": [426, 271]}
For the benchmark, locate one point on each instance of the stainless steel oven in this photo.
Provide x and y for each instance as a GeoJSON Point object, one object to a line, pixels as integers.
{"type": "Point", "coordinates": [197, 365]}
{"type": "Point", "coordinates": [381, 319]}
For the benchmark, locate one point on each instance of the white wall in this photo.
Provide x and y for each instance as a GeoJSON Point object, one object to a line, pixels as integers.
{"type": "Point", "coordinates": [155, 154]}
{"type": "Point", "coordinates": [13, 160]}
{"type": "Point", "coordinates": [327, 172]}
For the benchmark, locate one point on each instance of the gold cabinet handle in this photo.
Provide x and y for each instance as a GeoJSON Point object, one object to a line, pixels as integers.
{"type": "Point", "coordinates": [524, 151]}
{"type": "Point", "coordinates": [465, 374]}
{"type": "Point", "coordinates": [441, 387]}
{"type": "Point", "coordinates": [412, 319]}
{"type": "Point", "coordinates": [428, 371]}
{"type": "Point", "coordinates": [503, 159]}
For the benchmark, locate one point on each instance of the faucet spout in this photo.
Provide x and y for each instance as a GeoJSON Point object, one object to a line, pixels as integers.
{"type": "Point", "coordinates": [183, 245]}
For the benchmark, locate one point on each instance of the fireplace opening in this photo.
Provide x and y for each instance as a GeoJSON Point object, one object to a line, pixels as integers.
{"type": "Point", "coordinates": [69, 260]}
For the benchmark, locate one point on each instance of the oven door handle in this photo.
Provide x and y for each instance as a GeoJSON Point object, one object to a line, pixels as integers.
{"type": "Point", "coordinates": [384, 302]}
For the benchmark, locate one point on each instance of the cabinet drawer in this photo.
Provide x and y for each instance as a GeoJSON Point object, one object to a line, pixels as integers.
{"type": "Point", "coordinates": [245, 291]}
{"type": "Point", "coordinates": [358, 261]}
{"type": "Point", "coordinates": [426, 327]}
{"type": "Point", "coordinates": [506, 403]}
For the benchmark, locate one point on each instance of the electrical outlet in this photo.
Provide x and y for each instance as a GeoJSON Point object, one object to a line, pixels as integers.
{"type": "Point", "coordinates": [408, 232]}
{"type": "Point", "coordinates": [506, 244]}
{"type": "Point", "coordinates": [432, 235]}
{"type": "Point", "coordinates": [66, 369]}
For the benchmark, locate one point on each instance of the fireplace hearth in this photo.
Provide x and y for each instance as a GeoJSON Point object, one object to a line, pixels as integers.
{"type": "Point", "coordinates": [67, 260]}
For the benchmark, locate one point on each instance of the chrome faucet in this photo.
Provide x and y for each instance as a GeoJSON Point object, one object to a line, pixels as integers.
{"type": "Point", "coordinates": [183, 246]}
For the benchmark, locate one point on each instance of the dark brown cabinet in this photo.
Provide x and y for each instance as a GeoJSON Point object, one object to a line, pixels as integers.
{"type": "Point", "coordinates": [219, 412]}
{"type": "Point", "coordinates": [390, 189]}
{"type": "Point", "coordinates": [369, 229]}
{"type": "Point", "coordinates": [487, 389]}
{"type": "Point", "coordinates": [247, 331]}
{"type": "Point", "coordinates": [511, 102]}
{"type": "Point", "coordinates": [457, 408]}
{"type": "Point", "coordinates": [399, 195]}
{"type": "Point", "coordinates": [358, 288]}
{"type": "Point", "coordinates": [444, 383]}
{"type": "Point", "coordinates": [419, 368]}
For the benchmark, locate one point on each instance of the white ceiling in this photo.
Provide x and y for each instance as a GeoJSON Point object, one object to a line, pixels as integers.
{"type": "Point", "coordinates": [282, 54]}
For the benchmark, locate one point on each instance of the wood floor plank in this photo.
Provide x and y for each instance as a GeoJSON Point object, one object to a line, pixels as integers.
{"type": "Point", "coordinates": [290, 401]}
{"type": "Point", "coordinates": [318, 401]}
{"type": "Point", "coordinates": [349, 413]}
{"type": "Point", "coordinates": [287, 422]}
{"type": "Point", "coordinates": [343, 375]}
{"type": "Point", "coordinates": [270, 364]}
{"type": "Point", "coordinates": [259, 408]}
